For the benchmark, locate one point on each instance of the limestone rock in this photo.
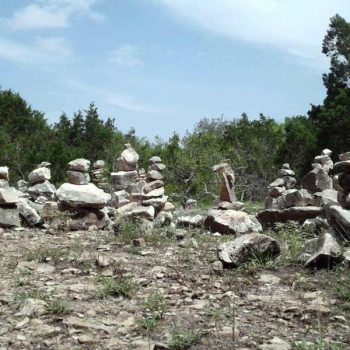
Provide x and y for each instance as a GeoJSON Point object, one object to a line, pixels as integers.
{"type": "Point", "coordinates": [158, 192]}
{"type": "Point", "coordinates": [28, 213]}
{"type": "Point", "coordinates": [122, 165]}
{"type": "Point", "coordinates": [119, 199]}
{"type": "Point", "coordinates": [298, 198]}
{"type": "Point", "coordinates": [317, 180]}
{"type": "Point", "coordinates": [83, 196]}
{"type": "Point", "coordinates": [39, 175]}
{"type": "Point", "coordinates": [227, 175]}
{"type": "Point", "coordinates": [9, 217]}
{"type": "Point", "coordinates": [144, 212]}
{"type": "Point", "coordinates": [277, 183]}
{"type": "Point", "coordinates": [328, 252]}
{"type": "Point", "coordinates": [122, 179]}
{"type": "Point", "coordinates": [45, 189]}
{"type": "Point", "coordinates": [4, 173]}
{"type": "Point", "coordinates": [168, 206]}
{"type": "Point", "coordinates": [154, 175]}
{"type": "Point", "coordinates": [154, 160]}
{"type": "Point", "coordinates": [9, 196]}
{"type": "Point", "coordinates": [130, 155]}
{"type": "Point", "coordinates": [80, 164]}
{"type": "Point", "coordinates": [157, 202]}
{"type": "Point", "coordinates": [150, 186]}
{"type": "Point", "coordinates": [230, 206]}
{"type": "Point", "coordinates": [77, 177]}
{"type": "Point", "coordinates": [247, 247]}
{"type": "Point", "coordinates": [231, 222]}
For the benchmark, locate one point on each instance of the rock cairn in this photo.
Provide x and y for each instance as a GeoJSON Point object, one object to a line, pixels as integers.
{"type": "Point", "coordinates": [81, 198]}
{"type": "Point", "coordinates": [318, 180]}
{"type": "Point", "coordinates": [99, 175]}
{"type": "Point", "coordinates": [38, 186]}
{"type": "Point", "coordinates": [280, 187]}
{"type": "Point", "coordinates": [136, 192]}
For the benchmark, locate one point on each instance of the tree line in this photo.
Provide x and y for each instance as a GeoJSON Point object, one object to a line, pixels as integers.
{"type": "Point", "coordinates": [256, 148]}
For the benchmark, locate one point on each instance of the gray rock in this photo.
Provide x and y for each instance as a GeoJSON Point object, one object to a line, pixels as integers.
{"type": "Point", "coordinates": [231, 222]}
{"type": "Point", "coordinates": [275, 344]}
{"type": "Point", "coordinates": [144, 212]}
{"type": "Point", "coordinates": [328, 252]}
{"type": "Point", "coordinates": [22, 185]}
{"type": "Point", "coordinates": [163, 219]}
{"type": "Point", "coordinates": [4, 173]}
{"type": "Point", "coordinates": [298, 198]}
{"type": "Point", "coordinates": [130, 155]}
{"type": "Point", "coordinates": [344, 181]}
{"type": "Point", "coordinates": [122, 165]}
{"type": "Point", "coordinates": [122, 179]}
{"type": "Point", "coordinates": [276, 191]}
{"type": "Point", "coordinates": [99, 164]}
{"type": "Point", "coordinates": [28, 212]}
{"type": "Point", "coordinates": [9, 217]}
{"type": "Point", "coordinates": [317, 180]}
{"type": "Point", "coordinates": [84, 219]}
{"type": "Point", "coordinates": [79, 164]}
{"type": "Point", "coordinates": [339, 219]}
{"type": "Point", "coordinates": [78, 177]}
{"type": "Point", "coordinates": [157, 166]}
{"type": "Point", "coordinates": [287, 172]}
{"type": "Point", "coordinates": [232, 206]}
{"type": "Point", "coordinates": [326, 152]}
{"type": "Point", "coordinates": [150, 186]}
{"type": "Point", "coordinates": [45, 189]}
{"type": "Point", "coordinates": [289, 182]}
{"type": "Point", "coordinates": [82, 196]}
{"type": "Point", "coordinates": [154, 160]}
{"type": "Point", "coordinates": [247, 247]}
{"type": "Point", "coordinates": [158, 192]}
{"type": "Point", "coordinates": [168, 206]}
{"type": "Point", "coordinates": [277, 183]}
{"type": "Point", "coordinates": [190, 204]}
{"type": "Point", "coordinates": [326, 197]}
{"type": "Point", "coordinates": [9, 196]}
{"type": "Point", "coordinates": [342, 167]}
{"type": "Point", "coordinates": [4, 184]}
{"type": "Point", "coordinates": [188, 221]}
{"type": "Point", "coordinates": [344, 156]}
{"type": "Point", "coordinates": [158, 202]}
{"type": "Point", "coordinates": [39, 175]}
{"type": "Point", "coordinates": [154, 175]}
{"type": "Point", "coordinates": [119, 199]}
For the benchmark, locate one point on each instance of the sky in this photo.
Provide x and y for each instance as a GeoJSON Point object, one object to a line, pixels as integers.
{"type": "Point", "coordinates": [160, 66]}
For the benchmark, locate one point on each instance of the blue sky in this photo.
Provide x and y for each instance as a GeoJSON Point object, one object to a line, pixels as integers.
{"type": "Point", "coordinates": [161, 65]}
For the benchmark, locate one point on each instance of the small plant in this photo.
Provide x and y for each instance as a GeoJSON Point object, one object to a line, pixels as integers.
{"type": "Point", "coordinates": [155, 304]}
{"type": "Point", "coordinates": [182, 339]}
{"type": "Point", "coordinates": [21, 297]}
{"type": "Point", "coordinates": [45, 254]}
{"type": "Point", "coordinates": [58, 307]}
{"type": "Point", "coordinates": [127, 229]}
{"type": "Point", "coordinates": [115, 287]}
{"type": "Point", "coordinates": [148, 325]}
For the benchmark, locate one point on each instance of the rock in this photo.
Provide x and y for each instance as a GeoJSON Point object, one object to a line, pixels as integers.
{"type": "Point", "coordinates": [80, 164]}
{"type": "Point", "coordinates": [45, 189]}
{"type": "Point", "coordinates": [158, 202]}
{"type": "Point", "coordinates": [276, 191]}
{"type": "Point", "coordinates": [122, 165]}
{"type": "Point", "coordinates": [328, 252]}
{"type": "Point", "coordinates": [339, 219]}
{"type": "Point", "coordinates": [154, 175]}
{"type": "Point", "coordinates": [269, 216]}
{"type": "Point", "coordinates": [77, 177]}
{"type": "Point", "coordinates": [287, 172]}
{"type": "Point", "coordinates": [119, 199]}
{"type": "Point", "coordinates": [158, 192]}
{"type": "Point", "coordinates": [188, 221]}
{"type": "Point", "coordinates": [217, 267]}
{"type": "Point", "coordinates": [83, 196]}
{"type": "Point", "coordinates": [317, 180]}
{"type": "Point", "coordinates": [4, 173]}
{"type": "Point", "coordinates": [247, 247]}
{"type": "Point", "coordinates": [139, 242]}
{"type": "Point", "coordinates": [232, 206]}
{"type": "Point", "coordinates": [227, 175]}
{"type": "Point", "coordinates": [126, 209]}
{"type": "Point", "coordinates": [10, 196]}
{"type": "Point", "coordinates": [39, 175]}
{"type": "Point", "coordinates": [22, 185]}
{"type": "Point", "coordinates": [163, 219]}
{"type": "Point", "coordinates": [144, 212]}
{"type": "Point", "coordinates": [169, 206]}
{"type": "Point", "coordinates": [158, 167]}
{"type": "Point", "coordinates": [231, 221]}
{"type": "Point", "coordinates": [342, 167]}
{"type": "Point", "coordinates": [190, 204]}
{"type": "Point", "coordinates": [326, 152]}
{"type": "Point", "coordinates": [326, 197]}
{"type": "Point", "coordinates": [154, 160]}
{"type": "Point", "coordinates": [150, 186]}
{"type": "Point", "coordinates": [298, 198]}
{"type": "Point", "coordinates": [344, 156]}
{"type": "Point", "coordinates": [315, 225]}
{"type": "Point", "coordinates": [28, 213]}
{"type": "Point", "coordinates": [343, 180]}
{"type": "Point", "coordinates": [289, 182]}
{"type": "Point", "coordinates": [275, 344]}
{"type": "Point", "coordinates": [84, 219]}
{"type": "Point", "coordinates": [9, 217]}
{"type": "Point", "coordinates": [122, 179]}
{"type": "Point", "coordinates": [33, 307]}
{"type": "Point", "coordinates": [277, 183]}
{"type": "Point", "coordinates": [130, 155]}
{"type": "Point", "coordinates": [99, 164]}
{"type": "Point", "coordinates": [4, 184]}
{"type": "Point", "coordinates": [285, 166]}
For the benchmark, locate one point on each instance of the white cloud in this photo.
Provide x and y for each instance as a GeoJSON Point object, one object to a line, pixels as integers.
{"type": "Point", "coordinates": [296, 27]}
{"type": "Point", "coordinates": [42, 50]}
{"type": "Point", "coordinates": [48, 14]}
{"type": "Point", "coordinates": [125, 55]}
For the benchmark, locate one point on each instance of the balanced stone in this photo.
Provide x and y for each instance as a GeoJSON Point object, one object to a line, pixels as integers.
{"type": "Point", "coordinates": [130, 155]}
{"type": "Point", "coordinates": [39, 175]}
{"type": "Point", "coordinates": [99, 164]}
{"type": "Point", "coordinates": [45, 189]}
{"type": "Point", "coordinates": [122, 179]}
{"type": "Point", "coordinates": [154, 160]}
{"type": "Point", "coordinates": [4, 173]}
{"type": "Point", "coordinates": [154, 175]}
{"type": "Point", "coordinates": [80, 164]}
{"type": "Point", "coordinates": [78, 177]}
{"type": "Point", "coordinates": [157, 166]}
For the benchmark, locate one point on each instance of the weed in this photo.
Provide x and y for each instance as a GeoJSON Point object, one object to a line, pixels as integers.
{"type": "Point", "coordinates": [45, 254]}
{"type": "Point", "coordinates": [115, 287]}
{"type": "Point", "coordinates": [58, 307]}
{"type": "Point", "coordinates": [181, 339]}
{"type": "Point", "coordinates": [155, 304]}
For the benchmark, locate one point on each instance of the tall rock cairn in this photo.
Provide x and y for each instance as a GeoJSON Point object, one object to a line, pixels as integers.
{"type": "Point", "coordinates": [82, 198]}
{"type": "Point", "coordinates": [39, 187]}
{"type": "Point", "coordinates": [99, 175]}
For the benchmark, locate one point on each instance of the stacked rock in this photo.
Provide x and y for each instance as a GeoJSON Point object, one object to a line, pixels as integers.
{"type": "Point", "coordinates": [81, 198]}
{"type": "Point", "coordinates": [99, 175]}
{"type": "Point", "coordinates": [342, 180]}
{"type": "Point", "coordinates": [39, 187]}
{"type": "Point", "coordinates": [318, 180]}
{"type": "Point", "coordinates": [4, 176]}
{"type": "Point", "coordinates": [280, 187]}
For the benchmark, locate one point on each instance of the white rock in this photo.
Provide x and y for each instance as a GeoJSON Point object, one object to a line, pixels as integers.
{"type": "Point", "coordinates": [79, 164]}
{"type": "Point", "coordinates": [39, 175]}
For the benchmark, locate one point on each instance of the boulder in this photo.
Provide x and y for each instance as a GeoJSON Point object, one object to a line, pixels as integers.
{"type": "Point", "coordinates": [4, 173]}
{"type": "Point", "coordinates": [45, 189]}
{"type": "Point", "coordinates": [317, 180]}
{"type": "Point", "coordinates": [9, 217]}
{"type": "Point", "coordinates": [328, 252]}
{"type": "Point", "coordinates": [231, 222]}
{"type": "Point", "coordinates": [80, 164]}
{"type": "Point", "coordinates": [122, 179]}
{"type": "Point", "coordinates": [247, 247]}
{"type": "Point", "coordinates": [9, 196]}
{"type": "Point", "coordinates": [77, 177]}
{"type": "Point", "coordinates": [82, 196]}
{"type": "Point", "coordinates": [130, 155]}
{"type": "Point", "coordinates": [298, 198]}
{"type": "Point", "coordinates": [28, 212]}
{"type": "Point", "coordinates": [39, 175]}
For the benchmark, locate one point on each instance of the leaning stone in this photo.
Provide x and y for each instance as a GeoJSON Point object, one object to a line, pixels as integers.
{"type": "Point", "coordinates": [144, 212]}
{"type": "Point", "coordinates": [28, 213]}
{"type": "Point", "coordinates": [78, 177]}
{"type": "Point", "coordinates": [247, 247]}
{"type": "Point", "coordinates": [39, 175]}
{"type": "Point", "coordinates": [86, 196]}
{"type": "Point", "coordinates": [45, 189]}
{"type": "Point", "coordinates": [231, 222]}
{"type": "Point", "coordinates": [328, 253]}
{"type": "Point", "coordinates": [122, 179]}
{"type": "Point", "coordinates": [130, 155]}
{"type": "Point", "coordinates": [150, 186]}
{"type": "Point", "coordinates": [339, 219]}
{"type": "Point", "coordinates": [154, 160]}
{"type": "Point", "coordinates": [10, 196]}
{"type": "Point", "coordinates": [4, 173]}
{"type": "Point", "coordinates": [79, 164]}
{"type": "Point", "coordinates": [9, 217]}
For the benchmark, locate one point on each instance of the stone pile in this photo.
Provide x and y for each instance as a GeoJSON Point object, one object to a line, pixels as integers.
{"type": "Point", "coordinates": [83, 201]}
{"type": "Point", "coordinates": [226, 216]}
{"type": "Point", "coordinates": [99, 175]}
{"type": "Point", "coordinates": [38, 187]}
{"type": "Point", "coordinates": [139, 193]}
{"type": "Point", "coordinates": [280, 187]}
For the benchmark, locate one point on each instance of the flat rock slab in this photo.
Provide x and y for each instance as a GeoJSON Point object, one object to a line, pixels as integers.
{"type": "Point", "coordinates": [231, 222]}
{"type": "Point", "coordinates": [9, 217]}
{"type": "Point", "coordinates": [270, 216]}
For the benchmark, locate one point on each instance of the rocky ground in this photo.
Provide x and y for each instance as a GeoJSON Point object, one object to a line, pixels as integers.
{"type": "Point", "coordinates": [98, 290]}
